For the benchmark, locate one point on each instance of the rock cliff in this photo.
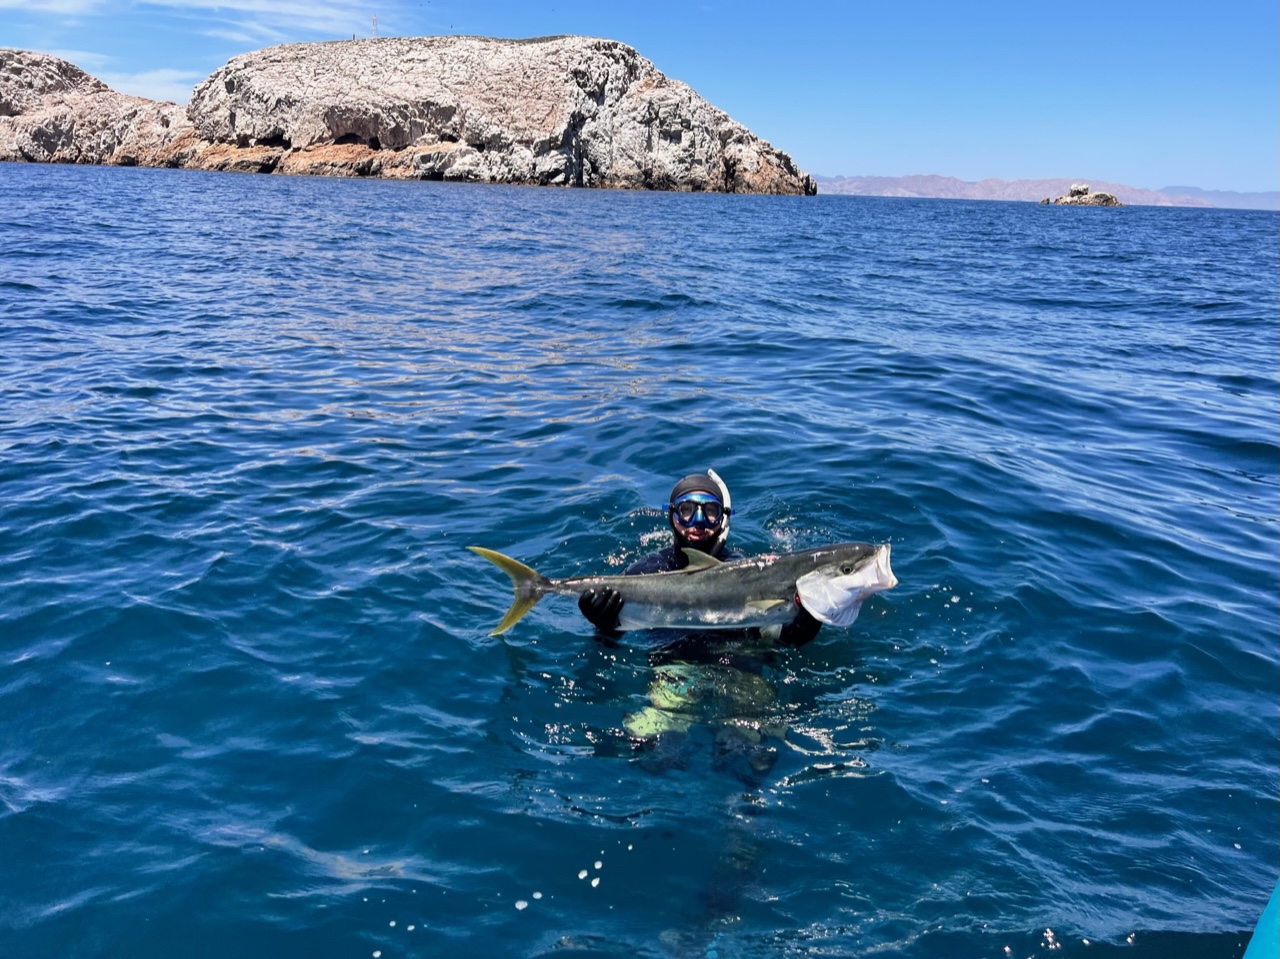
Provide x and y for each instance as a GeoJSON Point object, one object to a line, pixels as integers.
{"type": "Point", "coordinates": [572, 111]}
{"type": "Point", "coordinates": [54, 112]}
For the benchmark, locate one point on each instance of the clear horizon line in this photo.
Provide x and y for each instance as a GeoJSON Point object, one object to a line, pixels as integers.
{"type": "Point", "coordinates": [1029, 179]}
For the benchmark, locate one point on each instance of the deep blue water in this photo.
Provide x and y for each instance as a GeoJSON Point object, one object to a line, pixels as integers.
{"type": "Point", "coordinates": [248, 700]}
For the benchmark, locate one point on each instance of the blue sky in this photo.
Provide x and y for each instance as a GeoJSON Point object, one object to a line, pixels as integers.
{"type": "Point", "coordinates": [1139, 92]}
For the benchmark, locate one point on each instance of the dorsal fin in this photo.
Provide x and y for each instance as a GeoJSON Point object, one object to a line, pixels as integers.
{"type": "Point", "coordinates": [699, 560]}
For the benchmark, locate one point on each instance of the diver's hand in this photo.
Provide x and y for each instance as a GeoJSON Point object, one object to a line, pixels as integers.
{"type": "Point", "coordinates": [602, 607]}
{"type": "Point", "coordinates": [800, 630]}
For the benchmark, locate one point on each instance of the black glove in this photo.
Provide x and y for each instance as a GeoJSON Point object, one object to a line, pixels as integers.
{"type": "Point", "coordinates": [801, 629]}
{"type": "Point", "coordinates": [602, 608]}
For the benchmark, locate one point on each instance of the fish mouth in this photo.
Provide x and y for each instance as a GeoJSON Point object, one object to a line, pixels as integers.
{"type": "Point", "coordinates": [884, 572]}
{"type": "Point", "coordinates": [834, 597]}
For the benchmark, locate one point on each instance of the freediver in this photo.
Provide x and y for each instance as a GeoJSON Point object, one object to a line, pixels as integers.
{"type": "Point", "coordinates": [698, 684]}
{"type": "Point", "coordinates": [698, 680]}
{"type": "Point", "coordinates": [698, 512]}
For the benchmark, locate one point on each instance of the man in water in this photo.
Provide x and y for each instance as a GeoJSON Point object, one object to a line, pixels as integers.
{"type": "Point", "coordinates": [698, 512]}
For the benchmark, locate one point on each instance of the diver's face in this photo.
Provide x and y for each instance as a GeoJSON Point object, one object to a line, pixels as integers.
{"type": "Point", "coordinates": [697, 519]}
{"type": "Point", "coordinates": [698, 537]}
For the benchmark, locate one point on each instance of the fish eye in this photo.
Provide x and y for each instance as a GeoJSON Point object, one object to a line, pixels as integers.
{"type": "Point", "coordinates": [846, 569]}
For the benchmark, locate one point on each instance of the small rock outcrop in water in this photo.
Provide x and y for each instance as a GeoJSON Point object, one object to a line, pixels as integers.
{"type": "Point", "coordinates": [1079, 195]}
{"type": "Point", "coordinates": [571, 111]}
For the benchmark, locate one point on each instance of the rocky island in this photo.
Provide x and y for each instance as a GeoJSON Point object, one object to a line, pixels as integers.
{"type": "Point", "coordinates": [568, 111]}
{"type": "Point", "coordinates": [1079, 195]}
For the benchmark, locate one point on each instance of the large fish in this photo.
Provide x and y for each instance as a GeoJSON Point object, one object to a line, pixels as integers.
{"type": "Point", "coordinates": [831, 582]}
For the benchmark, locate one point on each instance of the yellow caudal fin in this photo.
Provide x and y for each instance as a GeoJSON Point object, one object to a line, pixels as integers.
{"type": "Point", "coordinates": [529, 586]}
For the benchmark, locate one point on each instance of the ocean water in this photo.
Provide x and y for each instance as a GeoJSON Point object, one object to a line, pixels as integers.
{"type": "Point", "coordinates": [249, 703]}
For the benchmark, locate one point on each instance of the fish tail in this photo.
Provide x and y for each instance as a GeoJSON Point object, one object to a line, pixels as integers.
{"type": "Point", "coordinates": [529, 585]}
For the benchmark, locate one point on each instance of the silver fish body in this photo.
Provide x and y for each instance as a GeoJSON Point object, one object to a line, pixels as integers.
{"type": "Point", "coordinates": [830, 581]}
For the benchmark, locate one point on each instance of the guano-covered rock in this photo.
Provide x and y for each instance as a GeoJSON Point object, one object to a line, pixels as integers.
{"type": "Point", "coordinates": [53, 112]}
{"type": "Point", "coordinates": [573, 111]}
{"type": "Point", "coordinates": [1079, 195]}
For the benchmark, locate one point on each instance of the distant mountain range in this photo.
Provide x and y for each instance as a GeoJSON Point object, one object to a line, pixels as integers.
{"type": "Point", "coordinates": [949, 188]}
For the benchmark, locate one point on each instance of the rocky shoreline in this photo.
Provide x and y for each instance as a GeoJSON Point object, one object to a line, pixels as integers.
{"type": "Point", "coordinates": [553, 111]}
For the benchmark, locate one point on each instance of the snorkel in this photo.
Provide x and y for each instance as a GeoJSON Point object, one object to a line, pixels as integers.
{"type": "Point", "coordinates": [723, 536]}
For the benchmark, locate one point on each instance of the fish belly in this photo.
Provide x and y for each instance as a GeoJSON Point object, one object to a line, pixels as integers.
{"type": "Point", "coordinates": [642, 616]}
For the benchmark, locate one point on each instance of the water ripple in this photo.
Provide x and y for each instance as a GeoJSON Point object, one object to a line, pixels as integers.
{"type": "Point", "coordinates": [248, 693]}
